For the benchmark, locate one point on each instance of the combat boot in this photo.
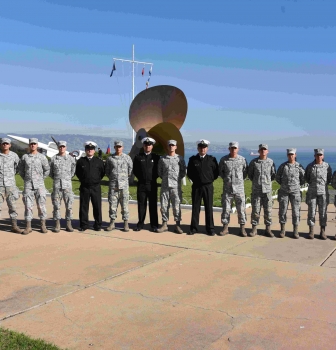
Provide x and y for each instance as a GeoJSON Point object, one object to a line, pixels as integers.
{"type": "Point", "coordinates": [177, 228]}
{"type": "Point", "coordinates": [311, 232]}
{"type": "Point", "coordinates": [322, 233]}
{"type": "Point", "coordinates": [69, 226]}
{"type": "Point", "coordinates": [268, 231]}
{"type": "Point", "coordinates": [126, 227]}
{"type": "Point", "coordinates": [254, 231]}
{"type": "Point", "coordinates": [28, 228]}
{"type": "Point", "coordinates": [242, 231]}
{"type": "Point", "coordinates": [111, 226]}
{"type": "Point", "coordinates": [296, 232]}
{"type": "Point", "coordinates": [15, 227]}
{"type": "Point", "coordinates": [163, 228]}
{"type": "Point", "coordinates": [57, 227]}
{"type": "Point", "coordinates": [43, 226]}
{"type": "Point", "coordinates": [283, 231]}
{"type": "Point", "coordinates": [224, 231]}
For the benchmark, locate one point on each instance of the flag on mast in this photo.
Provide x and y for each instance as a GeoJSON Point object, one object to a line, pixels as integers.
{"type": "Point", "coordinates": [150, 71]}
{"type": "Point", "coordinates": [113, 69]}
{"type": "Point", "coordinates": [108, 151]}
{"type": "Point", "coordinates": [143, 71]}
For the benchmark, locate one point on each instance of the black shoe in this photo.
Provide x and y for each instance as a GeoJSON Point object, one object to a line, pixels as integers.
{"type": "Point", "coordinates": [137, 228]}
{"type": "Point", "coordinates": [97, 228]}
{"type": "Point", "coordinates": [81, 229]}
{"type": "Point", "coordinates": [211, 233]}
{"type": "Point", "coordinates": [190, 233]}
{"type": "Point", "coordinates": [154, 229]}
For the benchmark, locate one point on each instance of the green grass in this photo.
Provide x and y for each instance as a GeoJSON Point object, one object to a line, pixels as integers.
{"type": "Point", "coordinates": [218, 188]}
{"type": "Point", "coordinates": [10, 340]}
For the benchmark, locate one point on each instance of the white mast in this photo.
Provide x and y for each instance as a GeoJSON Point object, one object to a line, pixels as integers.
{"type": "Point", "coordinates": [132, 61]}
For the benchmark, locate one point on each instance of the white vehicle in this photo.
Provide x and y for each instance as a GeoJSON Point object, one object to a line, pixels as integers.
{"type": "Point", "coordinates": [49, 149]}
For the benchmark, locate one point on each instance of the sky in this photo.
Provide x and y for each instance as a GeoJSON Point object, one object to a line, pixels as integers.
{"type": "Point", "coordinates": [252, 71]}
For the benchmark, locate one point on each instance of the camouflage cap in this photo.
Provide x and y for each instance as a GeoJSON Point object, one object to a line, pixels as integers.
{"type": "Point", "coordinates": [202, 143]}
{"type": "Point", "coordinates": [234, 144]}
{"type": "Point", "coordinates": [291, 150]}
{"type": "Point", "coordinates": [118, 143]}
{"type": "Point", "coordinates": [5, 140]}
{"type": "Point", "coordinates": [61, 143]}
{"type": "Point", "coordinates": [172, 142]}
{"type": "Point", "coordinates": [90, 144]}
{"type": "Point", "coordinates": [33, 140]}
{"type": "Point", "coordinates": [263, 145]}
{"type": "Point", "coordinates": [318, 151]}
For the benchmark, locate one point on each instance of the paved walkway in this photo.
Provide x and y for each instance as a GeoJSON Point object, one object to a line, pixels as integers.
{"type": "Point", "coordinates": [141, 290]}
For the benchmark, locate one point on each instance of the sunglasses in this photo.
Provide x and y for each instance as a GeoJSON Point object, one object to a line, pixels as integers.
{"type": "Point", "coordinates": [33, 143]}
{"type": "Point", "coordinates": [5, 143]}
{"type": "Point", "coordinates": [61, 146]}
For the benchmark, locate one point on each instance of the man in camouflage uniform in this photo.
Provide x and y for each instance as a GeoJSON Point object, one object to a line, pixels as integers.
{"type": "Point", "coordinates": [290, 176]}
{"type": "Point", "coordinates": [62, 170]}
{"type": "Point", "coordinates": [33, 169]}
{"type": "Point", "coordinates": [318, 176]}
{"type": "Point", "coordinates": [9, 166]}
{"type": "Point", "coordinates": [118, 169]}
{"type": "Point", "coordinates": [333, 184]}
{"type": "Point", "coordinates": [261, 172]}
{"type": "Point", "coordinates": [233, 170]}
{"type": "Point", "coordinates": [171, 169]}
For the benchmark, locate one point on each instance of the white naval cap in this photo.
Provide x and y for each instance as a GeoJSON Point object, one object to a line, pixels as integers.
{"type": "Point", "coordinates": [148, 140]}
{"type": "Point", "coordinates": [234, 144]}
{"type": "Point", "coordinates": [172, 142]}
{"type": "Point", "coordinates": [61, 143]}
{"type": "Point", "coordinates": [5, 140]}
{"type": "Point", "coordinates": [90, 144]}
{"type": "Point", "coordinates": [291, 150]}
{"type": "Point", "coordinates": [203, 143]}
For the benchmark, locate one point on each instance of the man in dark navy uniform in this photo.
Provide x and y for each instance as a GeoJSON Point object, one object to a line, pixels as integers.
{"type": "Point", "coordinates": [145, 168]}
{"type": "Point", "coordinates": [202, 171]}
{"type": "Point", "coordinates": [90, 171]}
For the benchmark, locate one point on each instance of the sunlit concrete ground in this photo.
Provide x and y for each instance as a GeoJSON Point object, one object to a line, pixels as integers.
{"type": "Point", "coordinates": [144, 290]}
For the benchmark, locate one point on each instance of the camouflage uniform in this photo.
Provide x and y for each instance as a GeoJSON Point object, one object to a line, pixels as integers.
{"type": "Point", "coordinates": [172, 169]}
{"type": "Point", "coordinates": [9, 166]}
{"type": "Point", "coordinates": [33, 169]}
{"type": "Point", "coordinates": [62, 170]}
{"type": "Point", "coordinates": [318, 176]}
{"type": "Point", "coordinates": [233, 171]}
{"type": "Point", "coordinates": [118, 169]}
{"type": "Point", "coordinates": [261, 173]}
{"type": "Point", "coordinates": [290, 177]}
{"type": "Point", "coordinates": [333, 184]}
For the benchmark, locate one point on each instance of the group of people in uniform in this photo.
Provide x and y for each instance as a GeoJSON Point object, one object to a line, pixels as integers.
{"type": "Point", "coordinates": [202, 170]}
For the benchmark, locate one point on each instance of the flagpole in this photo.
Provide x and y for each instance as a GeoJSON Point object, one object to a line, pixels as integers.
{"type": "Point", "coordinates": [132, 61]}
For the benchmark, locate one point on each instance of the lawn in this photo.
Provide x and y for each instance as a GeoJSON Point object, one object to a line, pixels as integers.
{"type": "Point", "coordinates": [218, 189]}
{"type": "Point", "coordinates": [10, 340]}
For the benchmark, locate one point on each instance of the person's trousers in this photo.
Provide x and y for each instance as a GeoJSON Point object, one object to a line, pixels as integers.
{"type": "Point", "coordinates": [150, 193]}
{"type": "Point", "coordinates": [198, 193]}
{"type": "Point", "coordinates": [92, 193]}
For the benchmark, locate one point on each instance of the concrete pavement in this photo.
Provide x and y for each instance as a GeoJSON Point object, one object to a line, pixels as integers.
{"type": "Point", "coordinates": [143, 290]}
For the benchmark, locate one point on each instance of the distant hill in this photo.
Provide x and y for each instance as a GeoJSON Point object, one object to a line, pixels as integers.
{"type": "Point", "coordinates": [75, 142]}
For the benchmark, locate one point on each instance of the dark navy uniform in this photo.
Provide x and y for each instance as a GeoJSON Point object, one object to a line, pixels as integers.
{"type": "Point", "coordinates": [90, 172]}
{"type": "Point", "coordinates": [145, 168]}
{"type": "Point", "coordinates": [202, 172]}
